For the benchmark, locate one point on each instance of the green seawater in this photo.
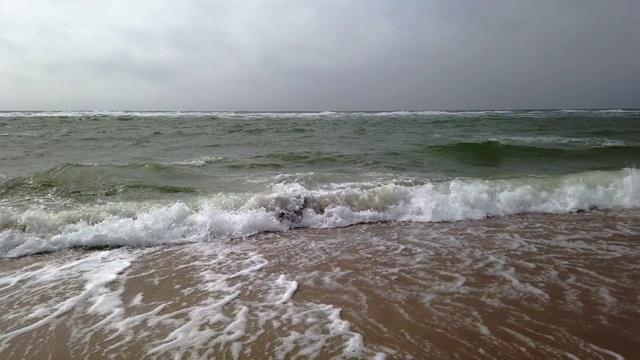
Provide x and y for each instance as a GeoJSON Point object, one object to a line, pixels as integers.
{"type": "Point", "coordinates": [62, 169]}
{"type": "Point", "coordinates": [103, 154]}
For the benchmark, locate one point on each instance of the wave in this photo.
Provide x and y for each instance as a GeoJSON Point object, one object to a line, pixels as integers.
{"type": "Point", "coordinates": [110, 113]}
{"type": "Point", "coordinates": [195, 162]}
{"type": "Point", "coordinates": [125, 115]}
{"type": "Point", "coordinates": [203, 161]}
{"type": "Point", "coordinates": [493, 152]}
{"type": "Point", "coordinates": [292, 205]}
{"type": "Point", "coordinates": [100, 180]}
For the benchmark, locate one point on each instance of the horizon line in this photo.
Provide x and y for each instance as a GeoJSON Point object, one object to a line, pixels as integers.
{"type": "Point", "coordinates": [327, 111]}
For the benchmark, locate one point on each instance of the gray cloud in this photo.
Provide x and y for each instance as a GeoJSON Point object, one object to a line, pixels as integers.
{"type": "Point", "coordinates": [335, 55]}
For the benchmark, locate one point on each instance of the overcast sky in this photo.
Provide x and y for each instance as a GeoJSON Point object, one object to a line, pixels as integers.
{"type": "Point", "coordinates": [319, 55]}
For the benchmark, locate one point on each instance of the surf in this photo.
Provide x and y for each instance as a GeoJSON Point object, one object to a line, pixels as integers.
{"type": "Point", "coordinates": [288, 205]}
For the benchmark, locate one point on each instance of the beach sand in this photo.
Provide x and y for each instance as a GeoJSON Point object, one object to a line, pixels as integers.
{"type": "Point", "coordinates": [526, 286]}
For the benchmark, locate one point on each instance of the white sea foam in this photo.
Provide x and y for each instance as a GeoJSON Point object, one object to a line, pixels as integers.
{"type": "Point", "coordinates": [290, 288]}
{"type": "Point", "coordinates": [608, 352]}
{"type": "Point", "coordinates": [293, 205]}
{"type": "Point", "coordinates": [197, 162]}
{"type": "Point", "coordinates": [164, 225]}
{"type": "Point", "coordinates": [96, 271]}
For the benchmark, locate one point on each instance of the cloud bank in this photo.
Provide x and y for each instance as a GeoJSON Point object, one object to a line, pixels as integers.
{"type": "Point", "coordinates": [319, 55]}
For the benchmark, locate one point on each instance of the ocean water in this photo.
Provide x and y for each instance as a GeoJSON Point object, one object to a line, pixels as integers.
{"type": "Point", "coordinates": [103, 179]}
{"type": "Point", "coordinates": [102, 194]}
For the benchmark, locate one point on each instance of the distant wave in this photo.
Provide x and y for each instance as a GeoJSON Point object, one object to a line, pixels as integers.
{"type": "Point", "coordinates": [290, 205]}
{"type": "Point", "coordinates": [96, 179]}
{"type": "Point", "coordinates": [313, 114]}
{"type": "Point", "coordinates": [113, 114]}
{"type": "Point", "coordinates": [494, 151]}
{"type": "Point", "coordinates": [198, 161]}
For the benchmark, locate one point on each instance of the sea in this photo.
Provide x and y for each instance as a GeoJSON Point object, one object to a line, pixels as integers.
{"type": "Point", "coordinates": [328, 235]}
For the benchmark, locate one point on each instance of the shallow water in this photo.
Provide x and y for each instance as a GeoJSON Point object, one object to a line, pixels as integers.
{"type": "Point", "coordinates": [528, 286]}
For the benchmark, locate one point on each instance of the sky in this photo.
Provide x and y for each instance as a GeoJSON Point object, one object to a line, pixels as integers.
{"type": "Point", "coordinates": [319, 55]}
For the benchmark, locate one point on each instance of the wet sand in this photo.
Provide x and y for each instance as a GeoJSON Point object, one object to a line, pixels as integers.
{"type": "Point", "coordinates": [529, 286]}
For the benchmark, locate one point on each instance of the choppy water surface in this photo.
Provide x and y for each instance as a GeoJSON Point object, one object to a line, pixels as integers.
{"type": "Point", "coordinates": [98, 180]}
{"type": "Point", "coordinates": [111, 178]}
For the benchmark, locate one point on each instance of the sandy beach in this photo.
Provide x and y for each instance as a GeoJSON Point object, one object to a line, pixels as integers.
{"type": "Point", "coordinates": [529, 286]}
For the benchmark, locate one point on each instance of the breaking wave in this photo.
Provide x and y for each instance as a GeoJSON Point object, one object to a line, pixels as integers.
{"type": "Point", "coordinates": [292, 205]}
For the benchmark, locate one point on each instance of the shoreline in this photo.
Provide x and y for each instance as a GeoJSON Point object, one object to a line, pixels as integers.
{"type": "Point", "coordinates": [529, 285]}
{"type": "Point", "coordinates": [233, 240]}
